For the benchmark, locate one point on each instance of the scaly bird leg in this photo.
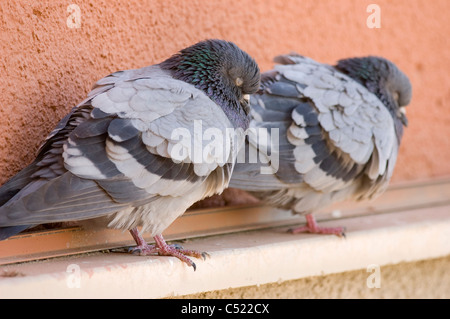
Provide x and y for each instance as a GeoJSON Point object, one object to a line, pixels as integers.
{"type": "Point", "coordinates": [313, 227]}
{"type": "Point", "coordinates": [163, 249]}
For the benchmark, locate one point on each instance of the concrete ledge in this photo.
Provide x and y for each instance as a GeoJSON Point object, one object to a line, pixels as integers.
{"type": "Point", "coordinates": [237, 260]}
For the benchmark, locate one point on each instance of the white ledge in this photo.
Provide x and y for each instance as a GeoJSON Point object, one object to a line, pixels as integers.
{"type": "Point", "coordinates": [237, 260]}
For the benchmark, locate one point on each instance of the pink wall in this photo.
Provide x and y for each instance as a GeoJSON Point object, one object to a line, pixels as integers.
{"type": "Point", "coordinates": [46, 67]}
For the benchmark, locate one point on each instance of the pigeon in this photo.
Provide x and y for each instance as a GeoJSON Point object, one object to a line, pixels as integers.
{"type": "Point", "coordinates": [323, 134]}
{"type": "Point", "coordinates": [125, 152]}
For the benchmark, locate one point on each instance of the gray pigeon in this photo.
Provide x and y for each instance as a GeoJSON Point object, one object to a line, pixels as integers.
{"type": "Point", "coordinates": [339, 132]}
{"type": "Point", "coordinates": [112, 155]}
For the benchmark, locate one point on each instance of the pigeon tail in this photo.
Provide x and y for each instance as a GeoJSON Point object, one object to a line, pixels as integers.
{"type": "Point", "coordinates": [6, 232]}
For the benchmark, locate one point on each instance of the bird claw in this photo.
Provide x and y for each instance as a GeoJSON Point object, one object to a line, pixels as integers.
{"type": "Point", "coordinates": [163, 249]}
{"type": "Point", "coordinates": [338, 231]}
{"type": "Point", "coordinates": [177, 246]}
{"type": "Point", "coordinates": [205, 255]}
{"type": "Point", "coordinates": [312, 227]}
{"type": "Point", "coordinates": [143, 250]}
{"type": "Point", "coordinates": [190, 252]}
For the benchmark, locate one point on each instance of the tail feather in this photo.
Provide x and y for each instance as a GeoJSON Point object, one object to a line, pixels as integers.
{"type": "Point", "coordinates": [9, 190]}
{"type": "Point", "coordinates": [16, 183]}
{"type": "Point", "coordinates": [6, 232]}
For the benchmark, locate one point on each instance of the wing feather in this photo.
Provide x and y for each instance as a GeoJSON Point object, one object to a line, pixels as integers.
{"type": "Point", "coordinates": [342, 138]}
{"type": "Point", "coordinates": [112, 153]}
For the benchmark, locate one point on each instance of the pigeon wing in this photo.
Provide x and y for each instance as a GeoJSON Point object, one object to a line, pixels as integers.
{"type": "Point", "coordinates": [113, 151]}
{"type": "Point", "coordinates": [340, 130]}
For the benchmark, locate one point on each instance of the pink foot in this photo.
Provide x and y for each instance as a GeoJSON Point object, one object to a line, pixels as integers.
{"type": "Point", "coordinates": [313, 227]}
{"type": "Point", "coordinates": [163, 249]}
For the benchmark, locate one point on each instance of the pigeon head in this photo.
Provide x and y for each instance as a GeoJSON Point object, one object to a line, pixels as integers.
{"type": "Point", "coordinates": [382, 78]}
{"type": "Point", "coordinates": [225, 73]}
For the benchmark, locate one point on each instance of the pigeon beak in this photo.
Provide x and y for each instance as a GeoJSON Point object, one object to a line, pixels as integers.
{"type": "Point", "coordinates": [403, 116]}
{"type": "Point", "coordinates": [247, 98]}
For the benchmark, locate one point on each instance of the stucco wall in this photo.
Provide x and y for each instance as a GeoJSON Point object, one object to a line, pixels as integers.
{"type": "Point", "coordinates": [427, 279]}
{"type": "Point", "coordinates": [47, 67]}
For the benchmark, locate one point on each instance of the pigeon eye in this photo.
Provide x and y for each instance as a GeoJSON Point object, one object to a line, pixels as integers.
{"type": "Point", "coordinates": [239, 81]}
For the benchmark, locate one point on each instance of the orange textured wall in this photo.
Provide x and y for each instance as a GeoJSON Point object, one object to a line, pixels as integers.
{"type": "Point", "coordinates": [47, 67]}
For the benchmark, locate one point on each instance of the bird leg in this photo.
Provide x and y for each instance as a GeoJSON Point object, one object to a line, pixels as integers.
{"type": "Point", "coordinates": [314, 228]}
{"type": "Point", "coordinates": [163, 249]}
